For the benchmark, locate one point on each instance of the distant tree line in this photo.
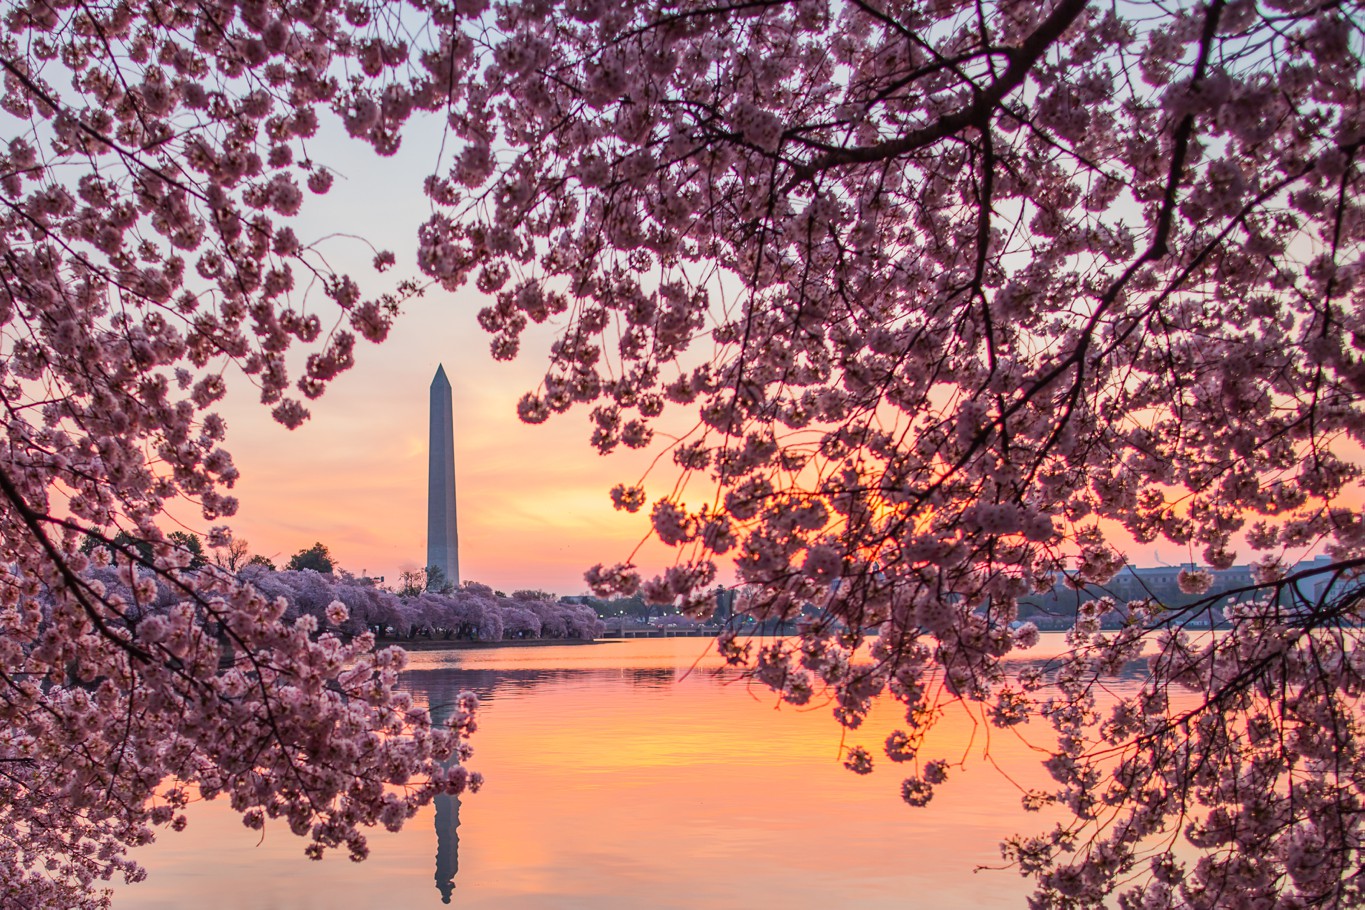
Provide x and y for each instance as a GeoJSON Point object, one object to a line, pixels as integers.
{"type": "Point", "coordinates": [471, 612]}
{"type": "Point", "coordinates": [425, 605]}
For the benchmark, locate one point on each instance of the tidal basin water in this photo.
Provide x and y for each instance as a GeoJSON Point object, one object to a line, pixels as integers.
{"type": "Point", "coordinates": [637, 774]}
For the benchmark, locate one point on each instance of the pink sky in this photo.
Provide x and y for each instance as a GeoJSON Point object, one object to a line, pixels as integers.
{"type": "Point", "coordinates": [534, 505]}
{"type": "Point", "coordinates": [534, 509]}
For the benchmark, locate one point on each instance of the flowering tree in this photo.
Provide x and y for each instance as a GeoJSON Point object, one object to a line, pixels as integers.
{"type": "Point", "coordinates": [982, 284]}
{"type": "Point", "coordinates": [470, 612]}
{"type": "Point", "coordinates": [154, 159]}
{"type": "Point", "coordinates": [988, 289]}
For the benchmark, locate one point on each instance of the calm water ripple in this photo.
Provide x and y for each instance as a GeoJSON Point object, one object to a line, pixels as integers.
{"type": "Point", "coordinates": [637, 774]}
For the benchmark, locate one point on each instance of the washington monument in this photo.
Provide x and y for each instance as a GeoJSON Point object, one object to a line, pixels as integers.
{"type": "Point", "coordinates": [443, 539]}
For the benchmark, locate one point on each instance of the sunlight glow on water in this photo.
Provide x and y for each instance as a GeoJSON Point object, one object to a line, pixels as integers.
{"type": "Point", "coordinates": [620, 775]}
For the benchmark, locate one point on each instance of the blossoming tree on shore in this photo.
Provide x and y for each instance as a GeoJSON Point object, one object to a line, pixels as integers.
{"type": "Point", "coordinates": [471, 612]}
{"type": "Point", "coordinates": [154, 156]}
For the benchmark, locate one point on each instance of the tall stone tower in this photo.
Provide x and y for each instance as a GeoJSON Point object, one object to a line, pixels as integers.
{"type": "Point", "coordinates": [443, 540]}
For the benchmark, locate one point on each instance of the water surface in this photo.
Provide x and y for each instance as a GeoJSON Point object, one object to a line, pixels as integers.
{"type": "Point", "coordinates": [637, 774]}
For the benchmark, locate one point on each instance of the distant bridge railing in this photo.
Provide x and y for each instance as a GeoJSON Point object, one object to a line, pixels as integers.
{"type": "Point", "coordinates": [698, 632]}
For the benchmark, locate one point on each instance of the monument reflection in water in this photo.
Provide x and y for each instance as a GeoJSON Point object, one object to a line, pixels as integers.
{"type": "Point", "coordinates": [442, 705]}
{"type": "Point", "coordinates": [441, 692]}
{"type": "Point", "coordinates": [641, 773]}
{"type": "Point", "coordinates": [447, 844]}
{"type": "Point", "coordinates": [630, 774]}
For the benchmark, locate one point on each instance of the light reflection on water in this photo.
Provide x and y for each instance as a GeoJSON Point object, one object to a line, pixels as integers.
{"type": "Point", "coordinates": [637, 774]}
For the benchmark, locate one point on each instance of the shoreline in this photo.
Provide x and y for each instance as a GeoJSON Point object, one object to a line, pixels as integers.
{"type": "Point", "coordinates": [466, 645]}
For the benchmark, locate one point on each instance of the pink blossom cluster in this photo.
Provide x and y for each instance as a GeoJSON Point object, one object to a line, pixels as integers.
{"type": "Point", "coordinates": [1239, 744]}
{"type": "Point", "coordinates": [155, 159]}
{"type": "Point", "coordinates": [220, 691]}
{"type": "Point", "coordinates": [473, 611]}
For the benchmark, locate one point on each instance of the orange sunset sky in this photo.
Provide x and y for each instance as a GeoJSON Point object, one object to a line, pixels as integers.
{"type": "Point", "coordinates": [534, 509]}
{"type": "Point", "coordinates": [534, 505]}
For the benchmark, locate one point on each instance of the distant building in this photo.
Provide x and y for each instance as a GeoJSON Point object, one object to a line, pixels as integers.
{"type": "Point", "coordinates": [1324, 586]}
{"type": "Point", "coordinates": [1161, 584]}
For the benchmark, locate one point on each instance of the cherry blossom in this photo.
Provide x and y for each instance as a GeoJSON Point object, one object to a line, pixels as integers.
{"type": "Point", "coordinates": [155, 159]}
{"type": "Point", "coordinates": [961, 298]}
{"type": "Point", "coordinates": [965, 299]}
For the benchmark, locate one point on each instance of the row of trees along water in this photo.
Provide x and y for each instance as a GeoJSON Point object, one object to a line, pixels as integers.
{"type": "Point", "coordinates": [423, 605]}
